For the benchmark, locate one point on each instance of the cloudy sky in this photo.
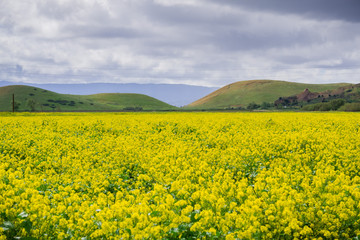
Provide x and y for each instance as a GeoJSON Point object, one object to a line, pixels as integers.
{"type": "Point", "coordinates": [198, 42]}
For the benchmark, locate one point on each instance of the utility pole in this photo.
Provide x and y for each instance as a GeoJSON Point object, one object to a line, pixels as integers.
{"type": "Point", "coordinates": [13, 103]}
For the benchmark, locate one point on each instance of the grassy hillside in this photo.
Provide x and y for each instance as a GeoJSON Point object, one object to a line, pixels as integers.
{"type": "Point", "coordinates": [129, 100]}
{"type": "Point", "coordinates": [43, 100]}
{"type": "Point", "coordinates": [240, 94]}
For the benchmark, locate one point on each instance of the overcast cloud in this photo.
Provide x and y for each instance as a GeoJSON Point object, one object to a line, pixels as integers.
{"type": "Point", "coordinates": [198, 42]}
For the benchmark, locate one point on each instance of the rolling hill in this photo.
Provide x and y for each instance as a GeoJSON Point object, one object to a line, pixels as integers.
{"type": "Point", "coordinates": [31, 98]}
{"type": "Point", "coordinates": [240, 94]}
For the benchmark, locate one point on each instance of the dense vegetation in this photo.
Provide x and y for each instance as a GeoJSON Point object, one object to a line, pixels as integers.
{"type": "Point", "coordinates": [180, 176]}
{"type": "Point", "coordinates": [344, 99]}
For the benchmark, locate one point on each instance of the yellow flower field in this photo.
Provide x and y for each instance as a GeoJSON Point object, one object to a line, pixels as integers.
{"type": "Point", "coordinates": [180, 176]}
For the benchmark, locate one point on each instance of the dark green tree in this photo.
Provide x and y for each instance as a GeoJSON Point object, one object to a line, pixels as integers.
{"type": "Point", "coordinates": [337, 103]}
{"type": "Point", "coordinates": [266, 105]}
{"type": "Point", "coordinates": [31, 104]}
{"type": "Point", "coordinates": [252, 106]}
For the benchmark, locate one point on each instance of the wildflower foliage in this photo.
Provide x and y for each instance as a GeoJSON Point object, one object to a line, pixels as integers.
{"type": "Point", "coordinates": [180, 175]}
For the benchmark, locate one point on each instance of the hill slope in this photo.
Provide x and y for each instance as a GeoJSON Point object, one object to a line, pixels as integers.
{"type": "Point", "coordinates": [44, 100]}
{"type": "Point", "coordinates": [129, 101]}
{"type": "Point", "coordinates": [240, 94]}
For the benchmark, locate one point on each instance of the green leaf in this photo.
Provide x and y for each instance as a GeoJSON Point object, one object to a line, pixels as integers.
{"type": "Point", "coordinates": [155, 214]}
{"type": "Point", "coordinates": [27, 225]}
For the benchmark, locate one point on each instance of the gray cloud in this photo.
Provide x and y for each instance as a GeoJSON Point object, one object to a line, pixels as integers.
{"type": "Point", "coordinates": [85, 31]}
{"type": "Point", "coordinates": [201, 42]}
{"type": "Point", "coordinates": [347, 10]}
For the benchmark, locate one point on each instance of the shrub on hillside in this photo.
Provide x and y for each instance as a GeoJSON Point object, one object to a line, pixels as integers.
{"type": "Point", "coordinates": [32, 104]}
{"type": "Point", "coordinates": [337, 103]}
{"type": "Point", "coordinates": [132, 108]}
{"type": "Point", "coordinates": [252, 106]}
{"type": "Point", "coordinates": [325, 106]}
{"type": "Point", "coordinates": [350, 107]}
{"type": "Point", "coordinates": [266, 105]}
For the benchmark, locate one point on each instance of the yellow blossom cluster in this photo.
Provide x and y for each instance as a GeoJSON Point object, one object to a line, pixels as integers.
{"type": "Point", "coordinates": [180, 176]}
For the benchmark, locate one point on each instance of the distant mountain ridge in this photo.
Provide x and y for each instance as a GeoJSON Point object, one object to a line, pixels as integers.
{"type": "Point", "coordinates": [173, 94]}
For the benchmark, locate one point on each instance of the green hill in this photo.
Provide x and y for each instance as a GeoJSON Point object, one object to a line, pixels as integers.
{"type": "Point", "coordinates": [129, 101]}
{"type": "Point", "coordinates": [240, 94]}
{"type": "Point", "coordinates": [31, 98]}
